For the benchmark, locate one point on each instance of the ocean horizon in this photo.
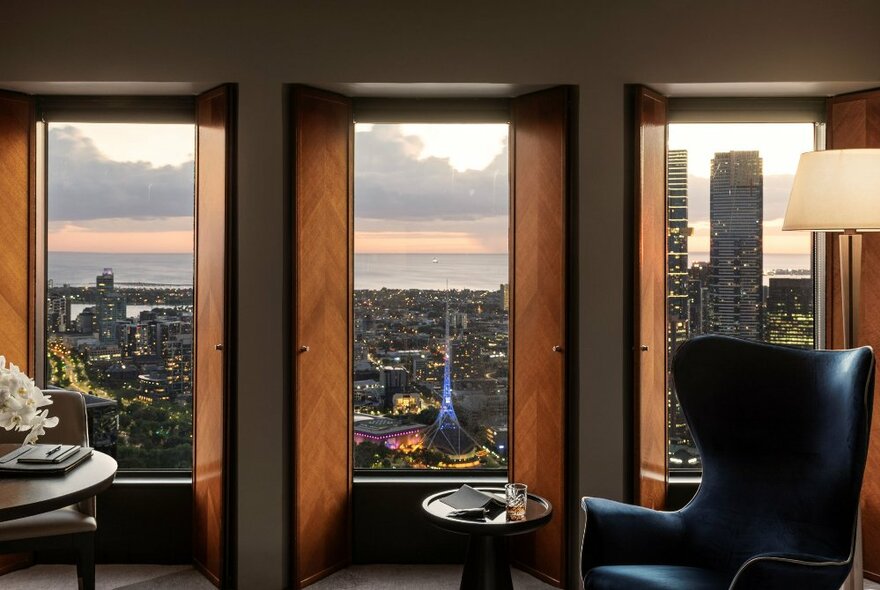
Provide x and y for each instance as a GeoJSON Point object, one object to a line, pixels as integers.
{"type": "Point", "coordinates": [371, 271]}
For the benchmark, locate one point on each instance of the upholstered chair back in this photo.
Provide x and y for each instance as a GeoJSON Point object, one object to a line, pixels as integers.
{"type": "Point", "coordinates": [783, 437]}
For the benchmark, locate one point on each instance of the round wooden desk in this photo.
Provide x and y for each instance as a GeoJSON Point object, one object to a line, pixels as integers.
{"type": "Point", "coordinates": [487, 566]}
{"type": "Point", "coordinates": [26, 495]}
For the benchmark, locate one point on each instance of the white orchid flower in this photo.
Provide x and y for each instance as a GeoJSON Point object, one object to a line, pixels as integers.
{"type": "Point", "coordinates": [20, 403]}
{"type": "Point", "coordinates": [38, 426]}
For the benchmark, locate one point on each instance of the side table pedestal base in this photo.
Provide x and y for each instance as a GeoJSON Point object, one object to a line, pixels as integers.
{"type": "Point", "coordinates": [487, 566]}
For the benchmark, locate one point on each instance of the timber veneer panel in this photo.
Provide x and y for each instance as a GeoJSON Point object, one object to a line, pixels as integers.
{"type": "Point", "coordinates": [539, 404]}
{"type": "Point", "coordinates": [322, 410]}
{"type": "Point", "coordinates": [214, 185]}
{"type": "Point", "coordinates": [17, 255]}
{"type": "Point", "coordinates": [18, 250]}
{"type": "Point", "coordinates": [649, 347]}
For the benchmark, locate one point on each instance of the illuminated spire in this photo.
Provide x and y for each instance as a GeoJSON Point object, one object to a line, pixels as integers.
{"type": "Point", "coordinates": [446, 434]}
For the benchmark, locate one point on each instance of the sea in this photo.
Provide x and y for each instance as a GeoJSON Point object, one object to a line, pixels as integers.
{"type": "Point", "coordinates": [485, 272]}
{"type": "Point", "coordinates": [371, 271]}
{"type": "Point", "coordinates": [79, 269]}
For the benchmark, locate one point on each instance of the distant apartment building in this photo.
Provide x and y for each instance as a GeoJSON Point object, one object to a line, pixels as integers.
{"type": "Point", "coordinates": [790, 317]}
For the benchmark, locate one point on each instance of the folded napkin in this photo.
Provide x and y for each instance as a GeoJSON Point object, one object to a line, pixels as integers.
{"type": "Point", "coordinates": [468, 497]}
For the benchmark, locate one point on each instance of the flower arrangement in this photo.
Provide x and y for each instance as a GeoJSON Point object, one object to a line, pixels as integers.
{"type": "Point", "coordinates": [20, 403]}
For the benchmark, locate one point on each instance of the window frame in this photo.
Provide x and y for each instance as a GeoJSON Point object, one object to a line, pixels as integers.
{"type": "Point", "coordinates": [746, 110]}
{"type": "Point", "coordinates": [97, 109]}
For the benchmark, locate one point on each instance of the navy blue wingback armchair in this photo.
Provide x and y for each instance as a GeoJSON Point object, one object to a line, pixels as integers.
{"type": "Point", "coordinates": [783, 436]}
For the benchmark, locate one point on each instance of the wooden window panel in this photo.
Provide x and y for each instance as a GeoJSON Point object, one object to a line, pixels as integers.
{"type": "Point", "coordinates": [215, 161]}
{"type": "Point", "coordinates": [538, 400]}
{"type": "Point", "coordinates": [18, 253]}
{"type": "Point", "coordinates": [854, 122]}
{"type": "Point", "coordinates": [322, 273]}
{"type": "Point", "coordinates": [649, 312]}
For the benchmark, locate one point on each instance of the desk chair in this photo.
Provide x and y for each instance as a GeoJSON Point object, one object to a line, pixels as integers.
{"type": "Point", "coordinates": [71, 528]}
{"type": "Point", "coordinates": [783, 435]}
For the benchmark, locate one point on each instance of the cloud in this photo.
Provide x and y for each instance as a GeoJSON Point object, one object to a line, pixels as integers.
{"type": "Point", "coordinates": [393, 184]}
{"type": "Point", "coordinates": [86, 185]}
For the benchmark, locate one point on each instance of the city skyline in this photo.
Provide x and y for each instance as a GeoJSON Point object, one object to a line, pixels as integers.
{"type": "Point", "coordinates": [780, 145]}
{"type": "Point", "coordinates": [723, 291]}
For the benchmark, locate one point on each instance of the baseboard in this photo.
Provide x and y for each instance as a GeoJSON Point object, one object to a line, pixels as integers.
{"type": "Point", "coordinates": [205, 572]}
{"type": "Point", "coordinates": [15, 561]}
{"type": "Point", "coordinates": [541, 576]}
{"type": "Point", "coordinates": [872, 576]}
{"type": "Point", "coordinates": [321, 575]}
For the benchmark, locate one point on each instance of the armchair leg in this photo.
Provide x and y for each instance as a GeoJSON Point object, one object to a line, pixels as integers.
{"type": "Point", "coordinates": [85, 560]}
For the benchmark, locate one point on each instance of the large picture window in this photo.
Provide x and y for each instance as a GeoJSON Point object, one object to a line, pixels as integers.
{"type": "Point", "coordinates": [730, 269]}
{"type": "Point", "coordinates": [119, 289]}
{"type": "Point", "coordinates": [431, 296]}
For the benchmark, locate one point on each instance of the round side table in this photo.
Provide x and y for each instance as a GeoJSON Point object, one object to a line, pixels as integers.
{"type": "Point", "coordinates": [487, 566]}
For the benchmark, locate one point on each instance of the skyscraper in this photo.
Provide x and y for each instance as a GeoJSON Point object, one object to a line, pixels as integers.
{"type": "Point", "coordinates": [790, 312]}
{"type": "Point", "coordinates": [110, 306]}
{"type": "Point", "coordinates": [677, 235]}
{"type": "Point", "coordinates": [676, 277]}
{"type": "Point", "coordinates": [736, 211]}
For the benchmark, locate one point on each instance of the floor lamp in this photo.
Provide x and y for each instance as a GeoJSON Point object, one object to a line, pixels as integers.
{"type": "Point", "coordinates": [839, 191]}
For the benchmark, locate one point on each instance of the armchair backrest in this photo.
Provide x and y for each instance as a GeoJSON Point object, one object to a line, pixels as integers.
{"type": "Point", "coordinates": [783, 437]}
{"type": "Point", "coordinates": [72, 429]}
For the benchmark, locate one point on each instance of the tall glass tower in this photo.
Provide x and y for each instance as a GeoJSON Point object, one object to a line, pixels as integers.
{"type": "Point", "coordinates": [736, 213]}
{"type": "Point", "coordinates": [677, 324]}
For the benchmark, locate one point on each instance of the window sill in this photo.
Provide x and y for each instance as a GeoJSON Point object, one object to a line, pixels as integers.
{"type": "Point", "coordinates": [158, 478]}
{"type": "Point", "coordinates": [429, 479]}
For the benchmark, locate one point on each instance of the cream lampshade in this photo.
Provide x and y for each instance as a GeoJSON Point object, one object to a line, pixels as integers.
{"type": "Point", "coordinates": [836, 190]}
{"type": "Point", "coordinates": [839, 191]}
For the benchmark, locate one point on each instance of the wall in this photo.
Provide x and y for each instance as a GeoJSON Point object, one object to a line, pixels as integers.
{"type": "Point", "coordinates": [598, 45]}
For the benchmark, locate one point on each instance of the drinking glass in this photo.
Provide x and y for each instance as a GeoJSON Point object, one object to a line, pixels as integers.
{"type": "Point", "coordinates": [516, 494]}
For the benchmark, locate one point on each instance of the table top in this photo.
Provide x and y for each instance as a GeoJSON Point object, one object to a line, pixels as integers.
{"type": "Point", "coordinates": [539, 511]}
{"type": "Point", "coordinates": [22, 496]}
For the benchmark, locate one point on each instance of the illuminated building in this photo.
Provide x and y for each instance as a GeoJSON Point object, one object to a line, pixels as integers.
{"type": "Point", "coordinates": [677, 311]}
{"type": "Point", "coordinates": [790, 318]}
{"type": "Point", "coordinates": [387, 431]}
{"type": "Point", "coordinates": [407, 403]}
{"type": "Point", "coordinates": [736, 214]}
{"type": "Point", "coordinates": [110, 307]}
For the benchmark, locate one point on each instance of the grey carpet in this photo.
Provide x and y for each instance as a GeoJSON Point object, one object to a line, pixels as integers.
{"type": "Point", "coordinates": [398, 577]}
{"type": "Point", "coordinates": [161, 577]}
{"type": "Point", "coordinates": [188, 579]}
{"type": "Point", "coordinates": [107, 577]}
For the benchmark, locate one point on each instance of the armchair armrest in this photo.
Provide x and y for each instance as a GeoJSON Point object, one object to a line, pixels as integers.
{"type": "Point", "coordinates": [622, 534]}
{"type": "Point", "coordinates": [779, 571]}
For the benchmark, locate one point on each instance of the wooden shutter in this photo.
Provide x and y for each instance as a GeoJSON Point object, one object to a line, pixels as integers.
{"type": "Point", "coordinates": [215, 164]}
{"type": "Point", "coordinates": [322, 283]}
{"type": "Point", "coordinates": [17, 254]}
{"type": "Point", "coordinates": [649, 314]}
{"type": "Point", "coordinates": [538, 402]}
{"type": "Point", "coordinates": [17, 203]}
{"type": "Point", "coordinates": [854, 122]}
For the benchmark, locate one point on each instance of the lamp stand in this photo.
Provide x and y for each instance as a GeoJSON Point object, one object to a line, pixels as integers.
{"type": "Point", "coordinates": [850, 284]}
{"type": "Point", "coordinates": [850, 296]}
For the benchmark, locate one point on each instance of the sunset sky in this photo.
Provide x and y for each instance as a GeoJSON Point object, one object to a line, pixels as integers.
{"type": "Point", "coordinates": [427, 188]}
{"type": "Point", "coordinates": [121, 188]}
{"type": "Point", "coordinates": [431, 188]}
{"type": "Point", "coordinates": [780, 146]}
